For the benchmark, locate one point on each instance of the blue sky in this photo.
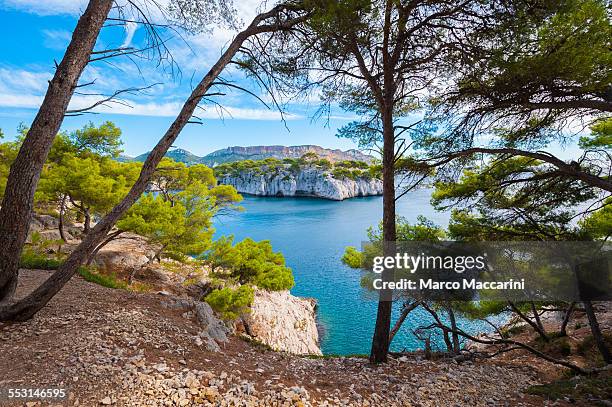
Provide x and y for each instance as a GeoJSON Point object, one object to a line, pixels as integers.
{"type": "Point", "coordinates": [35, 33]}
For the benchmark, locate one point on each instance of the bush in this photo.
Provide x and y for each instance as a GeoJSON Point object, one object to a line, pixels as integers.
{"type": "Point", "coordinates": [229, 302]}
{"type": "Point", "coordinates": [32, 260]}
{"type": "Point", "coordinates": [555, 346]}
{"type": "Point", "coordinates": [251, 262]}
{"type": "Point", "coordinates": [355, 174]}
{"type": "Point", "coordinates": [352, 257]}
{"type": "Point", "coordinates": [324, 163]}
{"type": "Point", "coordinates": [592, 390]}
{"type": "Point", "coordinates": [588, 349]}
{"type": "Point", "coordinates": [342, 173]}
{"type": "Point", "coordinates": [110, 281]}
{"type": "Point", "coordinates": [277, 278]}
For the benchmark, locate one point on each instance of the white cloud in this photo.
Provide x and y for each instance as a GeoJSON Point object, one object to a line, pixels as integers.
{"type": "Point", "coordinates": [46, 7]}
{"type": "Point", "coordinates": [19, 100]}
{"type": "Point", "coordinates": [130, 30]}
{"type": "Point", "coordinates": [56, 39]}
{"type": "Point", "coordinates": [19, 81]}
{"type": "Point", "coordinates": [166, 109]}
{"type": "Point", "coordinates": [244, 113]}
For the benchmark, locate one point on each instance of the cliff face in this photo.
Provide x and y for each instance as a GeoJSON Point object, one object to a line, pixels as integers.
{"type": "Point", "coordinates": [307, 182]}
{"type": "Point", "coordinates": [283, 322]}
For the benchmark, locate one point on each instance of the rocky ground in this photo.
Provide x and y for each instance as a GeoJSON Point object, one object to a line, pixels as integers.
{"type": "Point", "coordinates": [116, 347]}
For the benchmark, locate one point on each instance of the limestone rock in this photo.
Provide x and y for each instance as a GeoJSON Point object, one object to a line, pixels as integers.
{"type": "Point", "coordinates": [312, 182]}
{"type": "Point", "coordinates": [47, 221]}
{"type": "Point", "coordinates": [283, 322]}
{"type": "Point", "coordinates": [130, 251]}
{"type": "Point", "coordinates": [213, 331]}
{"type": "Point", "coordinates": [209, 322]}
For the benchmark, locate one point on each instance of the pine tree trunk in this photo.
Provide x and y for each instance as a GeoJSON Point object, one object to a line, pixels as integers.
{"type": "Point", "coordinates": [60, 225]}
{"type": "Point", "coordinates": [534, 325]}
{"type": "Point", "coordinates": [566, 319]}
{"type": "Point", "coordinates": [454, 335]}
{"type": "Point", "coordinates": [17, 205]}
{"type": "Point", "coordinates": [86, 221]}
{"type": "Point", "coordinates": [537, 319]}
{"type": "Point", "coordinates": [596, 331]}
{"type": "Point", "coordinates": [380, 341]}
{"type": "Point", "coordinates": [31, 304]}
{"type": "Point", "coordinates": [408, 308]}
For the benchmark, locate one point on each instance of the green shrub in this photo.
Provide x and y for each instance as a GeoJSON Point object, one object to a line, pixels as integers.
{"type": "Point", "coordinates": [352, 257]}
{"type": "Point", "coordinates": [110, 281]}
{"type": "Point", "coordinates": [375, 171]}
{"type": "Point", "coordinates": [513, 330]}
{"type": "Point", "coordinates": [294, 167]}
{"type": "Point", "coordinates": [555, 346]}
{"type": "Point", "coordinates": [277, 278]}
{"type": "Point", "coordinates": [325, 164]}
{"type": "Point", "coordinates": [594, 390]}
{"type": "Point", "coordinates": [33, 260]}
{"type": "Point", "coordinates": [588, 348]}
{"type": "Point", "coordinates": [342, 173]}
{"type": "Point", "coordinates": [229, 302]}
{"type": "Point", "coordinates": [251, 262]}
{"type": "Point", "coordinates": [355, 174]}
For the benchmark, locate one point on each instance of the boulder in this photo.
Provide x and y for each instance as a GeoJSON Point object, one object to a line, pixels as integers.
{"type": "Point", "coordinates": [206, 317]}
{"type": "Point", "coordinates": [283, 322]}
{"type": "Point", "coordinates": [151, 275]}
{"type": "Point", "coordinates": [52, 234]}
{"type": "Point", "coordinates": [47, 221]}
{"type": "Point", "coordinates": [128, 252]}
{"type": "Point", "coordinates": [213, 331]}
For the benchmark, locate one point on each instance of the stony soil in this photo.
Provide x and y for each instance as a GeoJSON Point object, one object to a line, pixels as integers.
{"type": "Point", "coordinates": [114, 347]}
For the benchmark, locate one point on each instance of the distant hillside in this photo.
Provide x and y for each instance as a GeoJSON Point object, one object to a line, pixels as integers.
{"type": "Point", "coordinates": [261, 152]}
{"type": "Point", "coordinates": [178, 154]}
{"type": "Point", "coordinates": [232, 154]}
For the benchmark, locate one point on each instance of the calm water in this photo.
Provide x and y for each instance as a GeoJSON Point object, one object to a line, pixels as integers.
{"type": "Point", "coordinates": [312, 235]}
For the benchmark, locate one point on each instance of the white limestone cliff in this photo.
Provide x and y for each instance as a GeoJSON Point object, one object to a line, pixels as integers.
{"type": "Point", "coordinates": [312, 182]}
{"type": "Point", "coordinates": [283, 322]}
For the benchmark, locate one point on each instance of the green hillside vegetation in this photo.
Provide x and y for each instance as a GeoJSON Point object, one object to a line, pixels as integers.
{"type": "Point", "coordinates": [348, 169]}
{"type": "Point", "coordinates": [83, 180]}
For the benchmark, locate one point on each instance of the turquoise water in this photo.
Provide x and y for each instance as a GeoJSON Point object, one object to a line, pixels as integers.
{"type": "Point", "coordinates": [312, 234]}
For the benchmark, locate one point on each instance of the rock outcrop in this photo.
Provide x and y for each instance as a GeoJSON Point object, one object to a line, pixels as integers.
{"type": "Point", "coordinates": [129, 251]}
{"type": "Point", "coordinates": [213, 331]}
{"type": "Point", "coordinates": [283, 322]}
{"type": "Point", "coordinates": [312, 182]}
